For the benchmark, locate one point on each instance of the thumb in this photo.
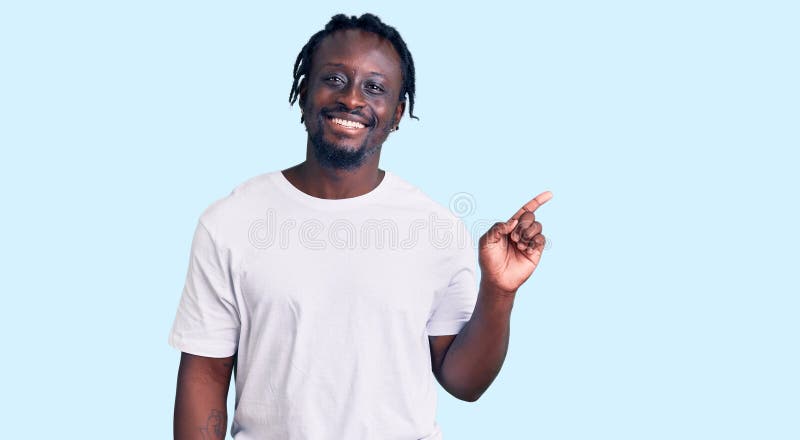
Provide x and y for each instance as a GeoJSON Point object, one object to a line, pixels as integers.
{"type": "Point", "coordinates": [499, 230]}
{"type": "Point", "coordinates": [509, 226]}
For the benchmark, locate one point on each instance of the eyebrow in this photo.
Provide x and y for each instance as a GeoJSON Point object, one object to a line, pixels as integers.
{"type": "Point", "coordinates": [342, 65]}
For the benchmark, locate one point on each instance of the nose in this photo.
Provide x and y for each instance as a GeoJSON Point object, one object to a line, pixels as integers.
{"type": "Point", "coordinates": [350, 97]}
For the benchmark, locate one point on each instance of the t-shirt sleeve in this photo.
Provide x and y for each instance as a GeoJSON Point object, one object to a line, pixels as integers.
{"type": "Point", "coordinates": [453, 305]}
{"type": "Point", "coordinates": [207, 322]}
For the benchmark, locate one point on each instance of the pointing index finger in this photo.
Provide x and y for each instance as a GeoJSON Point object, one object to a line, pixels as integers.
{"type": "Point", "coordinates": [534, 204]}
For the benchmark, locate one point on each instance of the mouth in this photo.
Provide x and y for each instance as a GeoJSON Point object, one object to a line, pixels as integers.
{"type": "Point", "coordinates": [347, 123]}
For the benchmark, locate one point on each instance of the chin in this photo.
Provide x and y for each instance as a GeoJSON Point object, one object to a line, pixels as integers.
{"type": "Point", "coordinates": [339, 156]}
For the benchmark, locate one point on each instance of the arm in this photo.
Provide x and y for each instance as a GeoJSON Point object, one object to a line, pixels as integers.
{"type": "Point", "coordinates": [466, 364]}
{"type": "Point", "coordinates": [201, 398]}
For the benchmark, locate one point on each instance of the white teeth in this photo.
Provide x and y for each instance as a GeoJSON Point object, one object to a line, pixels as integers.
{"type": "Point", "coordinates": [348, 124]}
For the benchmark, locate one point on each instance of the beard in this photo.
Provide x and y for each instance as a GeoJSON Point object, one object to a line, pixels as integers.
{"type": "Point", "coordinates": [340, 157]}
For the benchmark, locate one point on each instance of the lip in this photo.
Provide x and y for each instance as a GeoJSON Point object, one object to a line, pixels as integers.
{"type": "Point", "coordinates": [341, 128]}
{"type": "Point", "coordinates": [347, 117]}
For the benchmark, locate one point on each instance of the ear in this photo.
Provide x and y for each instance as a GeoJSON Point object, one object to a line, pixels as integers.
{"type": "Point", "coordinates": [302, 88]}
{"type": "Point", "coordinates": [398, 112]}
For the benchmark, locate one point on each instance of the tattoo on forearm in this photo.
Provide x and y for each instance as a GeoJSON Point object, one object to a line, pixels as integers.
{"type": "Point", "coordinates": [215, 426]}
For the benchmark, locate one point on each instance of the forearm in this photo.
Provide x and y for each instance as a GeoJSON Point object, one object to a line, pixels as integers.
{"type": "Point", "coordinates": [476, 355]}
{"type": "Point", "coordinates": [200, 405]}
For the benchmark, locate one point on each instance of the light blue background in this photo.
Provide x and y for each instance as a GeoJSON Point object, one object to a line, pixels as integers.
{"type": "Point", "coordinates": [666, 307]}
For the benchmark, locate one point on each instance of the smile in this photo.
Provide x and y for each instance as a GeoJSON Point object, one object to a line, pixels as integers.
{"type": "Point", "coordinates": [346, 123]}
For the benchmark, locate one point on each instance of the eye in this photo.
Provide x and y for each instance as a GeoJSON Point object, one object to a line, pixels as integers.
{"type": "Point", "coordinates": [333, 79]}
{"type": "Point", "coordinates": [374, 88]}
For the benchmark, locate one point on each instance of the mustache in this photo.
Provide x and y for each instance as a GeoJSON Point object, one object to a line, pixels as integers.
{"type": "Point", "coordinates": [326, 112]}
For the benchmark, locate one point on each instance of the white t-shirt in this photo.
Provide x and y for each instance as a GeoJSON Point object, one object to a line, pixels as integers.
{"type": "Point", "coordinates": [329, 304]}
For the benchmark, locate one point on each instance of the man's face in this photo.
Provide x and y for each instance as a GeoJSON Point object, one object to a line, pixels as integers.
{"type": "Point", "coordinates": [350, 98]}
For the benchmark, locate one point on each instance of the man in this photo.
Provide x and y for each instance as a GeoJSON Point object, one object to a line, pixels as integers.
{"type": "Point", "coordinates": [335, 326]}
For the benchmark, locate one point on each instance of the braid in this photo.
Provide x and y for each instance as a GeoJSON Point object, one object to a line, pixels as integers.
{"type": "Point", "coordinates": [367, 22]}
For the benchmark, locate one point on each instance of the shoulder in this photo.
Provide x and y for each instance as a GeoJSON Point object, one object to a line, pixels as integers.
{"type": "Point", "coordinates": [240, 203]}
{"type": "Point", "coordinates": [444, 227]}
{"type": "Point", "coordinates": [408, 193]}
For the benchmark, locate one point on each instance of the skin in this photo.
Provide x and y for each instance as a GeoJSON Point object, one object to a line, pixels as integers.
{"type": "Point", "coordinates": [201, 397]}
{"type": "Point", "coordinates": [509, 252]}
{"type": "Point", "coordinates": [356, 75]}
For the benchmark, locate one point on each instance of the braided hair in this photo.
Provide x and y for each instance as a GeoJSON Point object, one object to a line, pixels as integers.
{"type": "Point", "coordinates": [367, 22]}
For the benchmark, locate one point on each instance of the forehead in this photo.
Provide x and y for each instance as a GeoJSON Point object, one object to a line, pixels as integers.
{"type": "Point", "coordinates": [359, 50]}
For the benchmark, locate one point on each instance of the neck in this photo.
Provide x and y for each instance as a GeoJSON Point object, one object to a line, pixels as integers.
{"type": "Point", "coordinates": [327, 183]}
